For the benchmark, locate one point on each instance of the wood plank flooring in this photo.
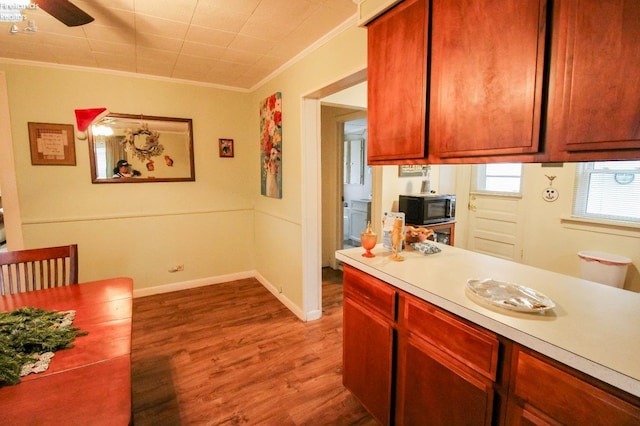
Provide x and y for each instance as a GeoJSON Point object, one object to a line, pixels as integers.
{"type": "Point", "coordinates": [232, 354]}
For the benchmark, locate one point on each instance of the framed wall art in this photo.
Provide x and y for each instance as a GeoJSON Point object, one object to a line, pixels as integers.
{"type": "Point", "coordinates": [225, 147]}
{"type": "Point", "coordinates": [412, 170]}
{"type": "Point", "coordinates": [271, 146]}
{"type": "Point", "coordinates": [52, 144]}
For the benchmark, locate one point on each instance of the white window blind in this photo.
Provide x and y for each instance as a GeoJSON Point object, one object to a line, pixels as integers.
{"type": "Point", "coordinates": [608, 190]}
{"type": "Point", "coordinates": [497, 178]}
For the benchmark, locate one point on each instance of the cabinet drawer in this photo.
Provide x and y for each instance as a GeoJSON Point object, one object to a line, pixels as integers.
{"type": "Point", "coordinates": [564, 397]}
{"type": "Point", "coordinates": [474, 347]}
{"type": "Point", "coordinates": [370, 291]}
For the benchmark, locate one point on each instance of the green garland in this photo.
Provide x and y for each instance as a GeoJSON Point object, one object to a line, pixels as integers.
{"type": "Point", "coordinates": [27, 332]}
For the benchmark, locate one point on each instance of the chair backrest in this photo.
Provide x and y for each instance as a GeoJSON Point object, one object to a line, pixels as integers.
{"type": "Point", "coordinates": [38, 269]}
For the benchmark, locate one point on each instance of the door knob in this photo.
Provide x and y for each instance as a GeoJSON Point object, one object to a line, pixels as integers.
{"type": "Point", "coordinates": [472, 207]}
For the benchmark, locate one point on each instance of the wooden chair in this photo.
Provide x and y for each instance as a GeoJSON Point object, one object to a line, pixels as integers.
{"type": "Point", "coordinates": [37, 269]}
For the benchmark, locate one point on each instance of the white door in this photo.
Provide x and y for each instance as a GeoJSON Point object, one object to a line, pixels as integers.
{"type": "Point", "coordinates": [496, 218]}
{"type": "Point", "coordinates": [495, 226]}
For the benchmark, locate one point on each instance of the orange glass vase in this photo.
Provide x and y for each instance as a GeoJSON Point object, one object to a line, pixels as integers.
{"type": "Point", "coordinates": [368, 239]}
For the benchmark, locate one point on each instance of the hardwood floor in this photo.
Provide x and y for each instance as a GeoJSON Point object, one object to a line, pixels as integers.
{"type": "Point", "coordinates": [232, 354]}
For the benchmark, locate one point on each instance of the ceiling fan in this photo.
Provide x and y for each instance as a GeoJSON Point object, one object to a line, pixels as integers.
{"type": "Point", "coordinates": [65, 12]}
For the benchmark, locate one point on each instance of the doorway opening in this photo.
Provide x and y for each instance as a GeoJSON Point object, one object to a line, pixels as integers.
{"type": "Point", "coordinates": [314, 216]}
{"type": "Point", "coordinates": [357, 188]}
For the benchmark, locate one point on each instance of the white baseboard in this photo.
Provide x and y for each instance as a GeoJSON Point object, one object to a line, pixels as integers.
{"type": "Point", "coordinates": [314, 315]}
{"type": "Point", "coordinates": [185, 285]}
{"type": "Point", "coordinates": [281, 297]}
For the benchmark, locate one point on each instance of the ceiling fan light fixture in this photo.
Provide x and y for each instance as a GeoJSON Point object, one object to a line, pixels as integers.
{"type": "Point", "coordinates": [65, 12]}
{"type": "Point", "coordinates": [14, 29]}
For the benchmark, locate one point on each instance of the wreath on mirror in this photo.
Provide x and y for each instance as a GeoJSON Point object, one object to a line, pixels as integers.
{"type": "Point", "coordinates": [151, 146]}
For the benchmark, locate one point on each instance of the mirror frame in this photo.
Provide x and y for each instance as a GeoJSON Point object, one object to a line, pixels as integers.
{"type": "Point", "coordinates": [146, 124]}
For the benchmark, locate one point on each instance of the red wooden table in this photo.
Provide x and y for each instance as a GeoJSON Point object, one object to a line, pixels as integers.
{"type": "Point", "coordinates": [89, 383]}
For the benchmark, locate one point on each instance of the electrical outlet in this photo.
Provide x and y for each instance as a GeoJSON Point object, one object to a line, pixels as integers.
{"type": "Point", "coordinates": [176, 268]}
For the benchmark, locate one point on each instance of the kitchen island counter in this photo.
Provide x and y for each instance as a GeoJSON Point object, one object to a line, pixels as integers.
{"type": "Point", "coordinates": [593, 328]}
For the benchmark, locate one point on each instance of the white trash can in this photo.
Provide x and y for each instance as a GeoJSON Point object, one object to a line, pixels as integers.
{"type": "Point", "coordinates": [605, 268]}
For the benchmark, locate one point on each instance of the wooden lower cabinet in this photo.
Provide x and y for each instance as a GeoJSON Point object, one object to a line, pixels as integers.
{"type": "Point", "coordinates": [444, 363]}
{"type": "Point", "coordinates": [367, 369]}
{"type": "Point", "coordinates": [412, 363]}
{"type": "Point", "coordinates": [368, 342]}
{"type": "Point", "coordinates": [543, 391]}
{"type": "Point", "coordinates": [433, 389]}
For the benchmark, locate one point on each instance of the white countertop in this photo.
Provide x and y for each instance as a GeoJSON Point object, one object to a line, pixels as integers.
{"type": "Point", "coordinates": [594, 328]}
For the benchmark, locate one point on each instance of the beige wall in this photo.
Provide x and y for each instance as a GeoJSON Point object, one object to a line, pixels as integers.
{"type": "Point", "coordinates": [137, 230]}
{"type": "Point", "coordinates": [281, 219]}
{"type": "Point", "coordinates": [550, 240]}
{"type": "Point", "coordinates": [218, 225]}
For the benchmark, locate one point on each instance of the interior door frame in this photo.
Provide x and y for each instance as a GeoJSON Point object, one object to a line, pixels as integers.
{"type": "Point", "coordinates": [312, 191]}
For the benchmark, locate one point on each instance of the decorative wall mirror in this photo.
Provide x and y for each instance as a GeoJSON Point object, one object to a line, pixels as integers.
{"type": "Point", "coordinates": [149, 149]}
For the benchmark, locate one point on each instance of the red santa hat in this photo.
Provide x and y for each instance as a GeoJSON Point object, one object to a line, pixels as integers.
{"type": "Point", "coordinates": [85, 117]}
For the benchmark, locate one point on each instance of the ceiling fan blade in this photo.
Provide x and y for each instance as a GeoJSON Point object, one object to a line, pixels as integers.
{"type": "Point", "coordinates": [65, 12]}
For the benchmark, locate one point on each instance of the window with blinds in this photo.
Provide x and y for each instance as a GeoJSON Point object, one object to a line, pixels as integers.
{"type": "Point", "coordinates": [497, 178]}
{"type": "Point", "coordinates": [608, 190]}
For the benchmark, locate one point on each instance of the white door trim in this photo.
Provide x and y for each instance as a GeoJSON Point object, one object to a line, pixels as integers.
{"type": "Point", "coordinates": [311, 209]}
{"type": "Point", "coordinates": [312, 192]}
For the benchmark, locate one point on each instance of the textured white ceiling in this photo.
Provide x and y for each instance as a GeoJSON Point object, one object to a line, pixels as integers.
{"type": "Point", "coordinates": [235, 43]}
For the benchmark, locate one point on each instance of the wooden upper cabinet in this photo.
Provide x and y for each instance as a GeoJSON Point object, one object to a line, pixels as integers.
{"type": "Point", "coordinates": [468, 81]}
{"type": "Point", "coordinates": [594, 97]}
{"type": "Point", "coordinates": [397, 83]}
{"type": "Point", "coordinates": [487, 71]}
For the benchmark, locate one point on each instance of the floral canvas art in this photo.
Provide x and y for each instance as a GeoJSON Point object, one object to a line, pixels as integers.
{"type": "Point", "coordinates": [271, 145]}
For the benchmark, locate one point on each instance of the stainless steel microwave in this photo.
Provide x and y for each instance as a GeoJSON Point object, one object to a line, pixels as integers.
{"type": "Point", "coordinates": [425, 209]}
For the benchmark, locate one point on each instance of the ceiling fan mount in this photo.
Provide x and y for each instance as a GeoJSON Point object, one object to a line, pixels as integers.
{"type": "Point", "coordinates": [65, 12]}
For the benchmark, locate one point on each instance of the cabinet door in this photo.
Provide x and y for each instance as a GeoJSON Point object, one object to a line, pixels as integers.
{"type": "Point", "coordinates": [487, 68]}
{"type": "Point", "coordinates": [541, 390]}
{"type": "Point", "coordinates": [397, 83]}
{"type": "Point", "coordinates": [434, 389]}
{"type": "Point", "coordinates": [368, 357]}
{"type": "Point", "coordinates": [594, 101]}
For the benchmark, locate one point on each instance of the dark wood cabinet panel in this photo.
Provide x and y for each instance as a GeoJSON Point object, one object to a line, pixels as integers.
{"type": "Point", "coordinates": [397, 83]}
{"type": "Point", "coordinates": [368, 341]}
{"type": "Point", "coordinates": [425, 365]}
{"type": "Point", "coordinates": [370, 292]}
{"type": "Point", "coordinates": [367, 369]}
{"type": "Point", "coordinates": [542, 390]}
{"type": "Point", "coordinates": [434, 390]}
{"type": "Point", "coordinates": [594, 101]}
{"type": "Point", "coordinates": [486, 77]}
{"type": "Point", "coordinates": [460, 81]}
{"type": "Point", "coordinates": [472, 346]}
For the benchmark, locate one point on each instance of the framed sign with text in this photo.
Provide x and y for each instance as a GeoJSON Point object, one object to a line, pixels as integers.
{"type": "Point", "coordinates": [52, 144]}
